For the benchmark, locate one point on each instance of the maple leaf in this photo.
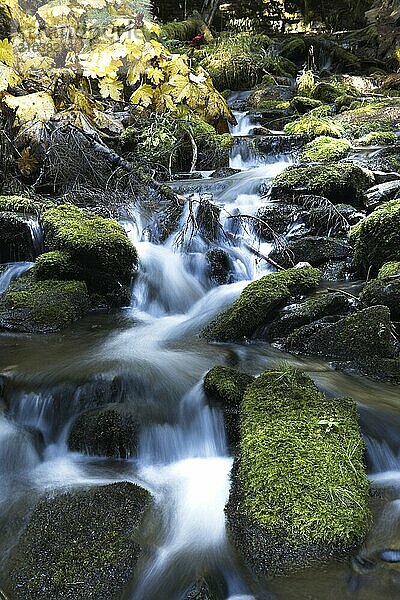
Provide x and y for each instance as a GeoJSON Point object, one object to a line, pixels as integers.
{"type": "Point", "coordinates": [143, 95]}
{"type": "Point", "coordinates": [7, 53]}
{"type": "Point", "coordinates": [155, 74]}
{"type": "Point", "coordinates": [111, 88]}
{"type": "Point", "coordinates": [27, 164]}
{"type": "Point", "coordinates": [8, 77]}
{"type": "Point", "coordinates": [32, 107]}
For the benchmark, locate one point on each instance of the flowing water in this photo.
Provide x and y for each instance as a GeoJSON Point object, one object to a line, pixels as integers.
{"type": "Point", "coordinates": [150, 357]}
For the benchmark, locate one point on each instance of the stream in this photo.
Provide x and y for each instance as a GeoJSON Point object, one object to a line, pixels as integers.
{"type": "Point", "coordinates": [151, 357]}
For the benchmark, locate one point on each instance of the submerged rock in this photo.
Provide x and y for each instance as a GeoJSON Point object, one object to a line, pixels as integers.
{"type": "Point", "coordinates": [339, 182]}
{"type": "Point", "coordinates": [83, 545]}
{"type": "Point", "coordinates": [298, 452]}
{"type": "Point", "coordinates": [111, 431]}
{"type": "Point", "coordinates": [377, 237]}
{"type": "Point", "coordinates": [258, 302]}
{"type": "Point", "coordinates": [42, 306]}
{"type": "Point", "coordinates": [225, 387]}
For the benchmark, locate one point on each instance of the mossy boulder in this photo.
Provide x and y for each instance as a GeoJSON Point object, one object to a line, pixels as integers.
{"type": "Point", "coordinates": [224, 388]}
{"type": "Point", "coordinates": [111, 431]}
{"type": "Point", "coordinates": [42, 306]}
{"type": "Point", "coordinates": [383, 291]}
{"type": "Point", "coordinates": [325, 149]}
{"type": "Point", "coordinates": [360, 336]}
{"type": "Point", "coordinates": [83, 545]}
{"type": "Point", "coordinates": [57, 265]}
{"type": "Point", "coordinates": [323, 305]}
{"type": "Point", "coordinates": [316, 250]}
{"type": "Point", "coordinates": [303, 104]}
{"type": "Point", "coordinates": [376, 238]}
{"type": "Point", "coordinates": [313, 126]}
{"type": "Point", "coordinates": [389, 269]}
{"type": "Point", "coordinates": [97, 249]}
{"type": "Point", "coordinates": [20, 204]}
{"type": "Point", "coordinates": [15, 238]}
{"type": "Point", "coordinates": [376, 116]}
{"type": "Point", "coordinates": [339, 182]}
{"type": "Point", "coordinates": [300, 492]}
{"type": "Point", "coordinates": [326, 92]}
{"type": "Point", "coordinates": [377, 138]}
{"type": "Point", "coordinates": [295, 49]}
{"type": "Point", "coordinates": [259, 301]}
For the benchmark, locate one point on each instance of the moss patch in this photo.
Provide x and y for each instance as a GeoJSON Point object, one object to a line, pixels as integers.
{"type": "Point", "coordinates": [378, 138]}
{"type": "Point", "coordinates": [377, 237]}
{"type": "Point", "coordinates": [339, 182]}
{"type": "Point", "coordinates": [258, 302]}
{"type": "Point", "coordinates": [81, 545]}
{"type": "Point", "coordinates": [325, 149]}
{"type": "Point", "coordinates": [389, 269]}
{"type": "Point", "coordinates": [300, 492]}
{"type": "Point", "coordinates": [19, 204]}
{"type": "Point", "coordinates": [43, 306]}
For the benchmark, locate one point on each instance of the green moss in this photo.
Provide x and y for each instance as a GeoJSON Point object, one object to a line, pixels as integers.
{"type": "Point", "coordinates": [226, 386]}
{"type": "Point", "coordinates": [91, 241]}
{"type": "Point", "coordinates": [182, 30]}
{"type": "Point", "coordinates": [389, 269]}
{"type": "Point", "coordinates": [314, 126]}
{"type": "Point", "coordinates": [303, 104]}
{"type": "Point", "coordinates": [344, 101]}
{"type": "Point", "coordinates": [19, 204]}
{"type": "Point", "coordinates": [380, 116]}
{"type": "Point", "coordinates": [377, 237]}
{"type": "Point", "coordinates": [56, 265]}
{"type": "Point", "coordinates": [43, 306]}
{"type": "Point", "coordinates": [258, 302]}
{"type": "Point", "coordinates": [339, 182]}
{"type": "Point", "coordinates": [301, 466]}
{"type": "Point", "coordinates": [325, 149]}
{"type": "Point", "coordinates": [326, 92]}
{"type": "Point", "coordinates": [378, 138]}
{"type": "Point", "coordinates": [294, 49]}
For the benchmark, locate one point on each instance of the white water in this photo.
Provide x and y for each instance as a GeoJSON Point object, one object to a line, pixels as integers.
{"type": "Point", "coordinates": [12, 271]}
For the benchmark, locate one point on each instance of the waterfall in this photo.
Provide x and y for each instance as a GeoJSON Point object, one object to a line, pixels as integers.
{"type": "Point", "coordinates": [12, 271]}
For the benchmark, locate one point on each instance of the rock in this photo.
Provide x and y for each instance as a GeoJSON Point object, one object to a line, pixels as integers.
{"type": "Point", "coordinates": [383, 291]}
{"type": "Point", "coordinates": [382, 177]}
{"type": "Point", "coordinates": [220, 266]}
{"type": "Point", "coordinates": [298, 451]}
{"type": "Point", "coordinates": [383, 192]}
{"type": "Point", "coordinates": [326, 92]}
{"type": "Point", "coordinates": [275, 93]}
{"type": "Point", "coordinates": [341, 183]}
{"type": "Point", "coordinates": [99, 246]}
{"type": "Point", "coordinates": [379, 369]}
{"type": "Point", "coordinates": [224, 172]}
{"type": "Point", "coordinates": [259, 301]}
{"type": "Point", "coordinates": [313, 125]}
{"type": "Point", "coordinates": [207, 218]}
{"type": "Point", "coordinates": [225, 387]}
{"type": "Point", "coordinates": [377, 138]}
{"type": "Point", "coordinates": [313, 249]}
{"type": "Point", "coordinates": [82, 545]}
{"type": "Point", "coordinates": [387, 159]}
{"type": "Point", "coordinates": [274, 220]}
{"type": "Point", "coordinates": [15, 239]}
{"type": "Point", "coordinates": [111, 431]}
{"type": "Point", "coordinates": [336, 270]}
{"type": "Point", "coordinates": [325, 304]}
{"type": "Point", "coordinates": [303, 104]}
{"type": "Point", "coordinates": [376, 238]}
{"type": "Point", "coordinates": [200, 591]}
{"type": "Point", "coordinates": [43, 306]}
{"type": "Point", "coordinates": [363, 335]}
{"type": "Point", "coordinates": [295, 49]}
{"type": "Point", "coordinates": [325, 149]}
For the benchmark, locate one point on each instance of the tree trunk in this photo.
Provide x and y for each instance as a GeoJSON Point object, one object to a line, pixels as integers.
{"type": "Point", "coordinates": [209, 9]}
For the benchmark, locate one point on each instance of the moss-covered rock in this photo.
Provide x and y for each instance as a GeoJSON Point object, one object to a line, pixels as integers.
{"type": "Point", "coordinates": [325, 149]}
{"type": "Point", "coordinates": [378, 138]}
{"type": "Point", "coordinates": [313, 126]}
{"type": "Point", "coordinates": [15, 238]}
{"type": "Point", "coordinates": [83, 545]}
{"type": "Point", "coordinates": [377, 237]}
{"type": "Point", "coordinates": [97, 248]}
{"type": "Point", "coordinates": [339, 182]}
{"type": "Point", "coordinates": [295, 49]}
{"type": "Point", "coordinates": [303, 104]}
{"type": "Point", "coordinates": [383, 291]}
{"type": "Point", "coordinates": [315, 250]}
{"type": "Point", "coordinates": [56, 265]}
{"type": "Point", "coordinates": [321, 306]}
{"type": "Point", "coordinates": [19, 204]}
{"type": "Point", "coordinates": [300, 492]}
{"type": "Point", "coordinates": [360, 336]}
{"type": "Point", "coordinates": [326, 92]}
{"type": "Point", "coordinates": [258, 302]}
{"type": "Point", "coordinates": [112, 432]}
{"type": "Point", "coordinates": [225, 387]}
{"type": "Point", "coordinates": [389, 269]}
{"type": "Point", "coordinates": [377, 116]}
{"type": "Point", "coordinates": [42, 306]}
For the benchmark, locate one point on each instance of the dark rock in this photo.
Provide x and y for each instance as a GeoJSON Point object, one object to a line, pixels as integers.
{"type": "Point", "coordinates": [15, 238]}
{"type": "Point", "coordinates": [336, 270]}
{"type": "Point", "coordinates": [111, 431]}
{"type": "Point", "coordinates": [83, 545]}
{"type": "Point", "coordinates": [207, 218]}
{"type": "Point", "coordinates": [224, 172]}
{"type": "Point", "coordinates": [273, 220]}
{"type": "Point", "coordinates": [312, 249]}
{"type": "Point", "coordinates": [220, 265]}
{"type": "Point", "coordinates": [383, 291]}
{"type": "Point", "coordinates": [381, 193]}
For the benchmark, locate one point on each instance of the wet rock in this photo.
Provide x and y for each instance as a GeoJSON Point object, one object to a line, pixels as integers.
{"type": "Point", "coordinates": [383, 291]}
{"type": "Point", "coordinates": [42, 306]}
{"type": "Point", "coordinates": [387, 160]}
{"type": "Point", "coordinates": [275, 93]}
{"type": "Point", "coordinates": [259, 301]}
{"type": "Point", "coordinates": [224, 172]}
{"type": "Point", "coordinates": [383, 192]}
{"type": "Point", "coordinates": [207, 218]}
{"type": "Point", "coordinates": [322, 305]}
{"type": "Point", "coordinates": [325, 149]}
{"type": "Point", "coordinates": [273, 220]}
{"type": "Point", "coordinates": [283, 512]}
{"type": "Point", "coordinates": [200, 591]}
{"type": "Point", "coordinates": [15, 238]}
{"type": "Point", "coordinates": [278, 144]}
{"type": "Point", "coordinates": [336, 270]}
{"type": "Point", "coordinates": [379, 369]}
{"type": "Point", "coordinates": [376, 238]}
{"type": "Point", "coordinates": [363, 335]}
{"type": "Point", "coordinates": [339, 182]}
{"type": "Point", "coordinates": [382, 177]}
{"type": "Point", "coordinates": [303, 104]}
{"type": "Point", "coordinates": [83, 545]}
{"type": "Point", "coordinates": [312, 249]}
{"type": "Point", "coordinates": [224, 388]}
{"type": "Point", "coordinates": [220, 266]}
{"type": "Point", "coordinates": [326, 92]}
{"type": "Point", "coordinates": [111, 431]}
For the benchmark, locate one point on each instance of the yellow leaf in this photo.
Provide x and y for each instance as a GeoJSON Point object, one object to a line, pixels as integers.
{"type": "Point", "coordinates": [8, 77]}
{"type": "Point", "coordinates": [112, 88]}
{"type": "Point", "coordinates": [135, 72]}
{"type": "Point", "coordinates": [143, 95]}
{"type": "Point", "coordinates": [7, 53]}
{"type": "Point", "coordinates": [27, 163]}
{"type": "Point", "coordinates": [32, 107]}
{"type": "Point", "coordinates": [156, 75]}
{"type": "Point", "coordinates": [54, 14]}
